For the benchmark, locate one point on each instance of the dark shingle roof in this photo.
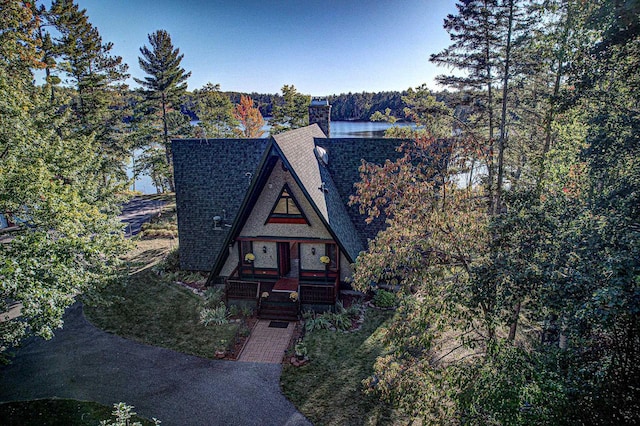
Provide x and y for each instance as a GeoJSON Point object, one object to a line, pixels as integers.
{"type": "Point", "coordinates": [215, 178]}
{"type": "Point", "coordinates": [212, 178]}
{"type": "Point", "coordinates": [297, 147]}
{"type": "Point", "coordinates": [345, 157]}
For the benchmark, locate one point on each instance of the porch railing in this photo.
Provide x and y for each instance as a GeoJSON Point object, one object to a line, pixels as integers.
{"type": "Point", "coordinates": [237, 289]}
{"type": "Point", "coordinates": [317, 293]}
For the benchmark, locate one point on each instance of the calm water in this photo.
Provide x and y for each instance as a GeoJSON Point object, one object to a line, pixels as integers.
{"type": "Point", "coordinates": [339, 129]}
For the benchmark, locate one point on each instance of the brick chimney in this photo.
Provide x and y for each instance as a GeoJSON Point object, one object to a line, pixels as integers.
{"type": "Point", "coordinates": [320, 113]}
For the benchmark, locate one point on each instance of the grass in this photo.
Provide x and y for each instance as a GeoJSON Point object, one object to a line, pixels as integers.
{"type": "Point", "coordinates": [329, 390]}
{"type": "Point", "coordinates": [152, 309]}
{"type": "Point", "coordinates": [57, 412]}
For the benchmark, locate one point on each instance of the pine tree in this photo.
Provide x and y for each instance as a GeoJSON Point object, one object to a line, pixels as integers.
{"type": "Point", "coordinates": [292, 112]}
{"type": "Point", "coordinates": [215, 112]}
{"type": "Point", "coordinates": [166, 82]}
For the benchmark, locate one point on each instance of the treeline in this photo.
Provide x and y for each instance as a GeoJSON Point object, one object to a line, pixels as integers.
{"type": "Point", "coordinates": [344, 107]}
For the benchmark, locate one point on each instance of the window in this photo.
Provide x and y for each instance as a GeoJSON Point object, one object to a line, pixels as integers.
{"type": "Point", "coordinates": [286, 209]}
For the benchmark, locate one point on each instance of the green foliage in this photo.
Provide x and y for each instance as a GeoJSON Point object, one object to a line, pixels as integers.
{"type": "Point", "coordinates": [164, 84]}
{"type": "Point", "coordinates": [215, 112]}
{"type": "Point", "coordinates": [123, 415]}
{"type": "Point", "coordinates": [300, 349]}
{"type": "Point", "coordinates": [313, 321]}
{"type": "Point", "coordinates": [384, 299]}
{"type": "Point", "coordinates": [216, 316]}
{"type": "Point", "coordinates": [53, 180]}
{"type": "Point", "coordinates": [292, 112]}
{"type": "Point", "coordinates": [64, 411]}
{"type": "Point", "coordinates": [214, 295]}
{"type": "Point", "coordinates": [519, 302]}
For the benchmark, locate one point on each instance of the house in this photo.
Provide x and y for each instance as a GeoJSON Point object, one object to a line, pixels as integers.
{"type": "Point", "coordinates": [269, 218]}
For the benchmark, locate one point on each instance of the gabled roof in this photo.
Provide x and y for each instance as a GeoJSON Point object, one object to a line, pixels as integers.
{"type": "Point", "coordinates": [212, 178]}
{"type": "Point", "coordinates": [224, 177]}
{"type": "Point", "coordinates": [297, 147]}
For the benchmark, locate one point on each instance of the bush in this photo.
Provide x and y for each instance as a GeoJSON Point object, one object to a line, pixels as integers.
{"type": "Point", "coordinates": [213, 296]}
{"type": "Point", "coordinates": [300, 349]}
{"type": "Point", "coordinates": [216, 316]}
{"type": "Point", "coordinates": [172, 261]}
{"type": "Point", "coordinates": [384, 299]}
{"type": "Point", "coordinates": [246, 311]}
{"type": "Point", "coordinates": [316, 322]}
{"type": "Point", "coordinates": [340, 321]}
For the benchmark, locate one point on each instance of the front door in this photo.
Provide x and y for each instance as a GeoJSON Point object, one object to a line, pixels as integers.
{"type": "Point", "coordinates": [284, 259]}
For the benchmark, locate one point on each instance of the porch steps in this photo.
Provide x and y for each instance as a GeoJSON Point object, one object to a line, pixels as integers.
{"type": "Point", "coordinates": [278, 311]}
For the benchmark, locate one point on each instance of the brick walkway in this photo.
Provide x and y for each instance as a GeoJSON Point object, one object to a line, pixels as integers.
{"type": "Point", "coordinates": [267, 344]}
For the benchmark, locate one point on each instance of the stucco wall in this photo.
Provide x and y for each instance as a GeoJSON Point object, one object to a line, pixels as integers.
{"type": "Point", "coordinates": [255, 227]}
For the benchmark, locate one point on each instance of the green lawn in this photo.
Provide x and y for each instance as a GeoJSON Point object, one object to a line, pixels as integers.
{"type": "Point", "coordinates": [152, 309]}
{"type": "Point", "coordinates": [328, 390]}
{"type": "Point", "coordinates": [57, 412]}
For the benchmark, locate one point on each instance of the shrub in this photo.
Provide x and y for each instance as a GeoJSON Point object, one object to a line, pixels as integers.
{"type": "Point", "coordinates": [384, 299]}
{"type": "Point", "coordinates": [216, 316]}
{"type": "Point", "coordinates": [123, 414]}
{"type": "Point", "coordinates": [172, 261]}
{"type": "Point", "coordinates": [340, 321]}
{"type": "Point", "coordinates": [246, 311]}
{"type": "Point", "coordinates": [300, 349]}
{"type": "Point", "coordinates": [319, 322]}
{"type": "Point", "coordinates": [213, 296]}
{"type": "Point", "coordinates": [234, 310]}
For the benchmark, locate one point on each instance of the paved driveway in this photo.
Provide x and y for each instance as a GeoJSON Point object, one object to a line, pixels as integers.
{"type": "Point", "coordinates": [138, 211]}
{"type": "Point", "coordinates": [83, 362]}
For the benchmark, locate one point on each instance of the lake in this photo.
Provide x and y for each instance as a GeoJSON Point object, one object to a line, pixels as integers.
{"type": "Point", "coordinates": [339, 129]}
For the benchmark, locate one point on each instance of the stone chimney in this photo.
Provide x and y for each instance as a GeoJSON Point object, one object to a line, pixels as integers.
{"type": "Point", "coordinates": [320, 113]}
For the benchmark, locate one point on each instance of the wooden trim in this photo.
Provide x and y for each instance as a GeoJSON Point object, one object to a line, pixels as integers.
{"type": "Point", "coordinates": [276, 239]}
{"type": "Point", "coordinates": [291, 220]}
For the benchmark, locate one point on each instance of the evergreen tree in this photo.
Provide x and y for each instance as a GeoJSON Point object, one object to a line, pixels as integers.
{"type": "Point", "coordinates": [97, 77]}
{"type": "Point", "coordinates": [215, 112]}
{"type": "Point", "coordinates": [50, 180]}
{"type": "Point", "coordinates": [165, 83]}
{"type": "Point", "coordinates": [292, 112]}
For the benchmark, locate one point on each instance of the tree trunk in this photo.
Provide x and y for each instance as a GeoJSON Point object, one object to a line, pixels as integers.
{"type": "Point", "coordinates": [503, 119]}
{"type": "Point", "coordinates": [167, 143]}
{"type": "Point", "coordinates": [551, 113]}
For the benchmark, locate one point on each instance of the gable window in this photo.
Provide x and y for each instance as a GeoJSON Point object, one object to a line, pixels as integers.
{"type": "Point", "coordinates": [286, 209]}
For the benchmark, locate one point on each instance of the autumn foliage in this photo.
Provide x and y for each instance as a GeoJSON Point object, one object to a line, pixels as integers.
{"type": "Point", "coordinates": [250, 118]}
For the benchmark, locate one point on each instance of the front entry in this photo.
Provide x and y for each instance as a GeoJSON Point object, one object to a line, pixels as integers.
{"type": "Point", "coordinates": [284, 259]}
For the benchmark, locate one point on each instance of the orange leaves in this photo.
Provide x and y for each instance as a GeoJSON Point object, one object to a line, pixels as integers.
{"type": "Point", "coordinates": [250, 118]}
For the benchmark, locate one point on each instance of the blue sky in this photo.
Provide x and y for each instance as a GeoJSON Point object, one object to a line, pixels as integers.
{"type": "Point", "coordinates": [322, 47]}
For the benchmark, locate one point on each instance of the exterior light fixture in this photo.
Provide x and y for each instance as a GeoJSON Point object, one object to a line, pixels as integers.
{"type": "Point", "coordinates": [313, 250]}
{"type": "Point", "coordinates": [264, 249]}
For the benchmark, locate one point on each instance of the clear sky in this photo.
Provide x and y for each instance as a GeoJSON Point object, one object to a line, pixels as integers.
{"type": "Point", "coordinates": [322, 47]}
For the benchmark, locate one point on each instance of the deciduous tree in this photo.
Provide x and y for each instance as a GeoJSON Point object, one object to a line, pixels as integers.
{"type": "Point", "coordinates": [251, 120]}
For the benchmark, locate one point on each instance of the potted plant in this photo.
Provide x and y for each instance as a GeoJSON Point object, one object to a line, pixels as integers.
{"type": "Point", "coordinates": [249, 257]}
{"type": "Point", "coordinates": [325, 260]}
{"type": "Point", "coordinates": [221, 349]}
{"type": "Point", "coordinates": [293, 296]}
{"type": "Point", "coordinates": [300, 350]}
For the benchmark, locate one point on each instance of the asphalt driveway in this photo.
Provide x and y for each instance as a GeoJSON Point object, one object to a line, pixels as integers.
{"type": "Point", "coordinates": [85, 363]}
{"type": "Point", "coordinates": [138, 211]}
